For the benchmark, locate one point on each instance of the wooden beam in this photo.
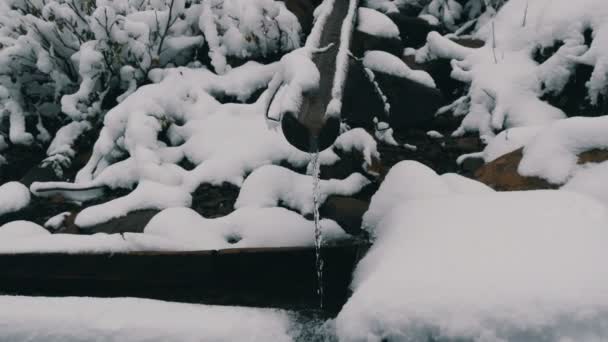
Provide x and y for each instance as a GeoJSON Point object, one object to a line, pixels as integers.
{"type": "Point", "coordinates": [263, 277]}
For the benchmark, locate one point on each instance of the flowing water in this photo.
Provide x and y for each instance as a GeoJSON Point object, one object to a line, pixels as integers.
{"type": "Point", "coordinates": [316, 171]}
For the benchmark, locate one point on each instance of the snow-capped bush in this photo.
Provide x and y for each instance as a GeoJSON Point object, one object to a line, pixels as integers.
{"type": "Point", "coordinates": [70, 60]}
{"type": "Point", "coordinates": [507, 79]}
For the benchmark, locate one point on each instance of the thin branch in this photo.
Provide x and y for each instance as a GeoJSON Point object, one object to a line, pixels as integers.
{"type": "Point", "coordinates": [494, 43]}
{"type": "Point", "coordinates": [523, 24]}
{"type": "Point", "coordinates": [167, 27]}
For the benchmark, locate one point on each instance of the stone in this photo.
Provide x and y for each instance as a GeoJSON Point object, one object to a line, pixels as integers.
{"type": "Point", "coordinates": [346, 211]}
{"type": "Point", "coordinates": [501, 174]}
{"type": "Point", "coordinates": [412, 104]}
{"type": "Point", "coordinates": [363, 41]}
{"type": "Point", "coordinates": [303, 10]}
{"type": "Point", "coordinates": [213, 201]}
{"type": "Point", "coordinates": [413, 30]}
{"type": "Point", "coordinates": [362, 100]}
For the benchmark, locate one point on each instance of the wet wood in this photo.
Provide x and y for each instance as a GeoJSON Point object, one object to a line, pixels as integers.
{"type": "Point", "coordinates": [263, 277]}
{"type": "Point", "coordinates": [311, 120]}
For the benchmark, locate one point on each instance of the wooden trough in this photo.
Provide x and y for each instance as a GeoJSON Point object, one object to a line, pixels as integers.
{"type": "Point", "coordinates": [265, 277]}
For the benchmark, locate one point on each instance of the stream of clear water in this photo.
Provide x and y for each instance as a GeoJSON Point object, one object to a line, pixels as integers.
{"type": "Point", "coordinates": [316, 171]}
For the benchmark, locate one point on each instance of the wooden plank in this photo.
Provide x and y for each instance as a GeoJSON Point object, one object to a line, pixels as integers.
{"type": "Point", "coordinates": [264, 277]}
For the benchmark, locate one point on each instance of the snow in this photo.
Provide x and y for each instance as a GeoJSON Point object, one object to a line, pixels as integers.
{"type": "Point", "coordinates": [376, 24]}
{"type": "Point", "coordinates": [384, 6]}
{"type": "Point", "coordinates": [508, 266]}
{"type": "Point", "coordinates": [334, 108]}
{"type": "Point", "coordinates": [20, 229]}
{"type": "Point", "coordinates": [147, 195]}
{"type": "Point", "coordinates": [134, 319]}
{"type": "Point", "coordinates": [505, 142]}
{"type": "Point", "coordinates": [14, 196]}
{"type": "Point", "coordinates": [553, 153]}
{"type": "Point", "coordinates": [434, 135]}
{"type": "Point", "coordinates": [386, 63]}
{"type": "Point", "coordinates": [358, 139]}
{"type": "Point", "coordinates": [409, 180]}
{"type": "Point", "coordinates": [27, 237]}
{"type": "Point", "coordinates": [61, 149]}
{"type": "Point", "coordinates": [297, 77]}
{"type": "Point", "coordinates": [271, 185]}
{"type": "Point", "coordinates": [57, 221]}
{"type": "Point", "coordinates": [184, 229]}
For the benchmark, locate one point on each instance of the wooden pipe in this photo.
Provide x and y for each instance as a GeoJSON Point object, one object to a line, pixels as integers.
{"type": "Point", "coordinates": [312, 128]}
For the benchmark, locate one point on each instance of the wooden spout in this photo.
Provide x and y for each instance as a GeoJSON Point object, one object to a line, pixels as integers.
{"type": "Point", "coordinates": [311, 130]}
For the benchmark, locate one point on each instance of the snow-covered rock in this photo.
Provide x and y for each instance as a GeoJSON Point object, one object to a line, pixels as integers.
{"type": "Point", "coordinates": [553, 153]}
{"type": "Point", "coordinates": [184, 229]}
{"type": "Point", "coordinates": [386, 63]}
{"type": "Point", "coordinates": [409, 180]}
{"type": "Point", "coordinates": [14, 196]}
{"type": "Point", "coordinates": [272, 185]}
{"type": "Point", "coordinates": [375, 23]}
{"type": "Point", "coordinates": [487, 267]}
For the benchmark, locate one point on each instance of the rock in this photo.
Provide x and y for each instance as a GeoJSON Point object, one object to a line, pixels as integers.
{"type": "Point", "coordinates": [412, 104]}
{"type": "Point", "coordinates": [363, 101]}
{"type": "Point", "coordinates": [19, 160]}
{"type": "Point", "coordinates": [469, 42]}
{"type": "Point", "coordinates": [365, 42]}
{"type": "Point", "coordinates": [40, 173]}
{"type": "Point", "coordinates": [303, 10]}
{"type": "Point", "coordinates": [501, 174]}
{"type": "Point", "coordinates": [346, 211]}
{"type": "Point", "coordinates": [215, 201]}
{"type": "Point", "coordinates": [413, 30]}
{"type": "Point", "coordinates": [440, 70]}
{"type": "Point", "coordinates": [593, 156]}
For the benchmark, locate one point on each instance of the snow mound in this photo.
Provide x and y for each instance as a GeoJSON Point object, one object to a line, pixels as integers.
{"type": "Point", "coordinates": [386, 63]}
{"type": "Point", "coordinates": [28, 237]}
{"type": "Point", "coordinates": [459, 267]}
{"type": "Point", "coordinates": [147, 195]}
{"type": "Point", "coordinates": [358, 139]}
{"type": "Point", "coordinates": [134, 319]}
{"type": "Point", "coordinates": [184, 229]}
{"type": "Point", "coordinates": [272, 185]}
{"type": "Point", "coordinates": [410, 180]}
{"type": "Point", "coordinates": [19, 229]}
{"type": "Point", "coordinates": [553, 153]}
{"type": "Point", "coordinates": [14, 196]}
{"type": "Point", "coordinates": [178, 229]}
{"type": "Point", "coordinates": [376, 24]}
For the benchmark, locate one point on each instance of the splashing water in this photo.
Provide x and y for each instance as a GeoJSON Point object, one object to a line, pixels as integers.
{"type": "Point", "coordinates": [316, 171]}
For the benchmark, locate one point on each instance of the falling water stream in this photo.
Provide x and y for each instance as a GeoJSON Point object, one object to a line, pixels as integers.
{"type": "Point", "coordinates": [316, 171]}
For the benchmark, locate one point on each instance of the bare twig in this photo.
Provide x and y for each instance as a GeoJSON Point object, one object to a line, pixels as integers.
{"type": "Point", "coordinates": [167, 27]}
{"type": "Point", "coordinates": [523, 24]}
{"type": "Point", "coordinates": [494, 43]}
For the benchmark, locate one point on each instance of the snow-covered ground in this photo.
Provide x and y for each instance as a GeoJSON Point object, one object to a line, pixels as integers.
{"type": "Point", "coordinates": [131, 319]}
